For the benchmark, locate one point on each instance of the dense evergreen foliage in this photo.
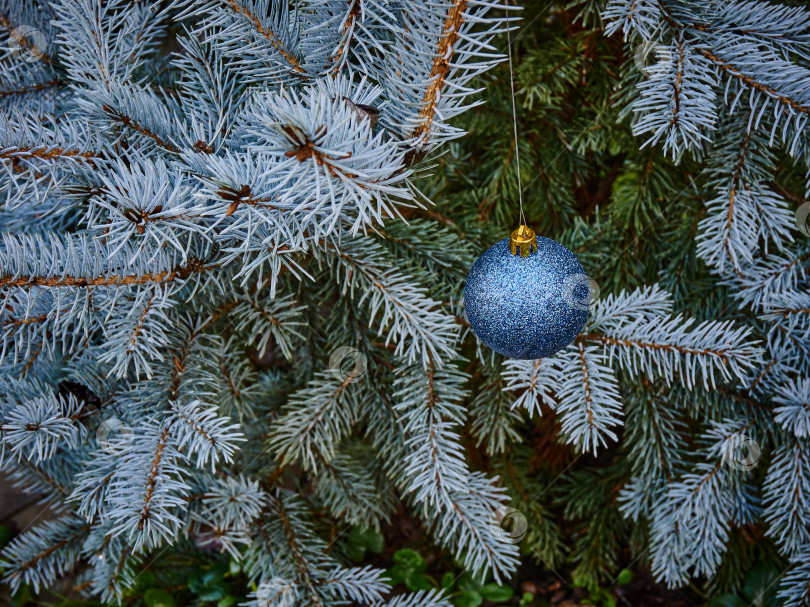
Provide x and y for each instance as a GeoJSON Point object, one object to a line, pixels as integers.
{"type": "Point", "coordinates": [234, 241]}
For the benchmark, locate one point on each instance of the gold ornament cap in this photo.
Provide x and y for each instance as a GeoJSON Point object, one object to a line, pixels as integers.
{"type": "Point", "coordinates": [523, 239]}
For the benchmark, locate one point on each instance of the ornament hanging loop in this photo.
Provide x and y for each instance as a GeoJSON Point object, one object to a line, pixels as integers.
{"type": "Point", "coordinates": [523, 239]}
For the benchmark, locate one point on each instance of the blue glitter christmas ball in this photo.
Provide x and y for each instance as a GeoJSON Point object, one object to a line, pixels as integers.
{"type": "Point", "coordinates": [527, 307]}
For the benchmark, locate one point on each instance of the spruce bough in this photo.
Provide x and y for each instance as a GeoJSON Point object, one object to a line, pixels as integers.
{"type": "Point", "coordinates": [202, 201]}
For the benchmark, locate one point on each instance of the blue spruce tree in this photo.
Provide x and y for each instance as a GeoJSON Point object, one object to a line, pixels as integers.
{"type": "Point", "coordinates": [234, 239]}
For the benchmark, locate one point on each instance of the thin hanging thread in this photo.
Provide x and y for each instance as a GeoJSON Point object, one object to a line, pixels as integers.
{"type": "Point", "coordinates": [514, 121]}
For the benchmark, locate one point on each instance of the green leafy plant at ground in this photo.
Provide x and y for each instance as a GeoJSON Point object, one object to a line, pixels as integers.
{"type": "Point", "coordinates": [759, 589]}
{"type": "Point", "coordinates": [463, 590]}
{"type": "Point", "coordinates": [604, 597]}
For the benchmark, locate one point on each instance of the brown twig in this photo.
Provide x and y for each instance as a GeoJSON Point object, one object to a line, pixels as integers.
{"type": "Point", "coordinates": [270, 36]}
{"type": "Point", "coordinates": [179, 273]}
{"type": "Point", "coordinates": [441, 66]}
